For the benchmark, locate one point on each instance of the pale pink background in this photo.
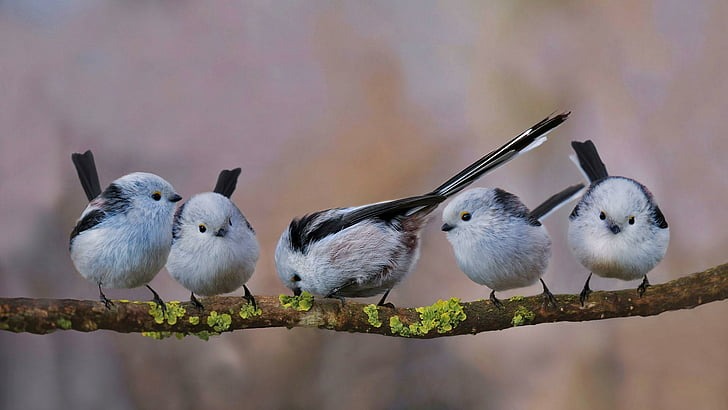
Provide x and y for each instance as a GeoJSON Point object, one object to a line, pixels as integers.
{"type": "Point", "coordinates": [330, 104]}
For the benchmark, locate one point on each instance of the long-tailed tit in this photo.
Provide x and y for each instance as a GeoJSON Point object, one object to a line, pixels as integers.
{"type": "Point", "coordinates": [123, 237]}
{"type": "Point", "coordinates": [616, 230]}
{"type": "Point", "coordinates": [214, 249]}
{"type": "Point", "coordinates": [498, 242]}
{"type": "Point", "coordinates": [366, 250]}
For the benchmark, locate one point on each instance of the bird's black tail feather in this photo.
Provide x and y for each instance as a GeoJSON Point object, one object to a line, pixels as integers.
{"type": "Point", "coordinates": [86, 169]}
{"type": "Point", "coordinates": [227, 181]}
{"type": "Point", "coordinates": [589, 160]}
{"type": "Point", "coordinates": [555, 201]}
{"type": "Point", "coordinates": [525, 141]}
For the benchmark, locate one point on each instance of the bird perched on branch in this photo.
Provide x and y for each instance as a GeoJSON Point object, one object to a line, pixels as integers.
{"type": "Point", "coordinates": [214, 249]}
{"type": "Point", "coordinates": [366, 250]}
{"type": "Point", "coordinates": [498, 242]}
{"type": "Point", "coordinates": [124, 235]}
{"type": "Point", "coordinates": [616, 230]}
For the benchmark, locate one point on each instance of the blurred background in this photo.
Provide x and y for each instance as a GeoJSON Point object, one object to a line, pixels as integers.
{"type": "Point", "coordinates": [332, 104]}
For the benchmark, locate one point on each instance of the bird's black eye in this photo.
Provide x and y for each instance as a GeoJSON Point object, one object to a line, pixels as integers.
{"type": "Point", "coordinates": [631, 220]}
{"type": "Point", "coordinates": [157, 195]}
{"type": "Point", "coordinates": [202, 228]}
{"type": "Point", "coordinates": [602, 215]}
{"type": "Point", "coordinates": [296, 278]}
{"type": "Point", "coordinates": [465, 216]}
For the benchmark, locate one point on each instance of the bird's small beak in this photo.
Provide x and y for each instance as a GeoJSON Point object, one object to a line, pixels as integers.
{"type": "Point", "coordinates": [614, 228]}
{"type": "Point", "coordinates": [296, 291]}
{"type": "Point", "coordinates": [175, 198]}
{"type": "Point", "coordinates": [447, 227]}
{"type": "Point", "coordinates": [221, 232]}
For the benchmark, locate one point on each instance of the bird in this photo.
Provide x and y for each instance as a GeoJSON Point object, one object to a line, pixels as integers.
{"type": "Point", "coordinates": [214, 248]}
{"type": "Point", "coordinates": [616, 230]}
{"type": "Point", "coordinates": [498, 242]}
{"type": "Point", "coordinates": [366, 250]}
{"type": "Point", "coordinates": [123, 237]}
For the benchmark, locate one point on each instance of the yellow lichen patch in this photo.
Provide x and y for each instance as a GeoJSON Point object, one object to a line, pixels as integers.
{"type": "Point", "coordinates": [157, 313]}
{"type": "Point", "coordinates": [516, 298]}
{"type": "Point", "coordinates": [173, 312]}
{"type": "Point", "coordinates": [442, 316]}
{"type": "Point", "coordinates": [131, 302]}
{"type": "Point", "coordinates": [205, 335]}
{"type": "Point", "coordinates": [194, 320]}
{"type": "Point", "coordinates": [248, 311]}
{"type": "Point", "coordinates": [522, 316]}
{"type": "Point", "coordinates": [373, 315]}
{"type": "Point", "coordinates": [63, 323]}
{"type": "Point", "coordinates": [157, 335]}
{"type": "Point", "coordinates": [301, 303]}
{"type": "Point", "coordinates": [398, 328]}
{"type": "Point", "coordinates": [219, 322]}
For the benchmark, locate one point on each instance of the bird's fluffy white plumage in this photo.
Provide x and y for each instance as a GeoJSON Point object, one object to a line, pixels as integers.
{"type": "Point", "coordinates": [361, 260]}
{"type": "Point", "coordinates": [499, 246]}
{"type": "Point", "coordinates": [131, 242]}
{"type": "Point", "coordinates": [223, 257]}
{"type": "Point", "coordinates": [635, 249]}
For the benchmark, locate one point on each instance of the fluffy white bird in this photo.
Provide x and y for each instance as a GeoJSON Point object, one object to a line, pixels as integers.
{"type": "Point", "coordinates": [616, 230]}
{"type": "Point", "coordinates": [214, 249]}
{"type": "Point", "coordinates": [498, 242]}
{"type": "Point", "coordinates": [367, 250]}
{"type": "Point", "coordinates": [124, 235]}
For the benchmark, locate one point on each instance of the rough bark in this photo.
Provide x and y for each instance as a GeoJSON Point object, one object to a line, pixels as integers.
{"type": "Point", "coordinates": [445, 318]}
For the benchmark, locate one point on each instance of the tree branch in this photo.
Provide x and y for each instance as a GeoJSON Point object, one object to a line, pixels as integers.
{"type": "Point", "coordinates": [444, 318]}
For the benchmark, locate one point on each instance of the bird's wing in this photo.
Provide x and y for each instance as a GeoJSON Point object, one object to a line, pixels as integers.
{"type": "Point", "coordinates": [318, 225]}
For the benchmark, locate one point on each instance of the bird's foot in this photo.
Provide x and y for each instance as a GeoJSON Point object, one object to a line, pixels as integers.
{"type": "Point", "coordinates": [642, 288]}
{"type": "Point", "coordinates": [584, 295]}
{"type": "Point", "coordinates": [548, 297]}
{"type": "Point", "coordinates": [384, 297]}
{"type": "Point", "coordinates": [249, 297]}
{"type": "Point", "coordinates": [497, 303]}
{"type": "Point", "coordinates": [158, 300]}
{"type": "Point", "coordinates": [200, 307]}
{"type": "Point", "coordinates": [106, 301]}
